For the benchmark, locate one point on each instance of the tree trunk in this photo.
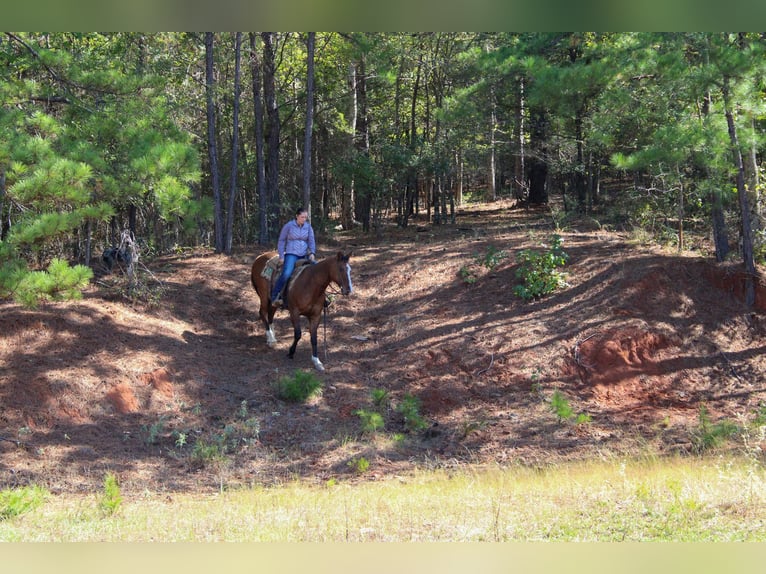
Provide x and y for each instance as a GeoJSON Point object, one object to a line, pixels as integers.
{"type": "Point", "coordinates": [234, 146]}
{"type": "Point", "coordinates": [492, 136]}
{"type": "Point", "coordinates": [519, 168]}
{"type": "Point", "coordinates": [747, 239]}
{"type": "Point", "coordinates": [3, 229]}
{"type": "Point", "coordinates": [362, 194]}
{"type": "Point", "coordinates": [272, 112]}
{"type": "Point", "coordinates": [348, 191]}
{"type": "Point", "coordinates": [538, 168]}
{"type": "Point", "coordinates": [411, 188]}
{"type": "Point", "coordinates": [260, 167]}
{"type": "Point", "coordinates": [309, 121]}
{"type": "Point", "coordinates": [211, 143]}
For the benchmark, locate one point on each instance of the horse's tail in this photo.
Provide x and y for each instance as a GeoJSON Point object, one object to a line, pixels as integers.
{"type": "Point", "coordinates": [259, 282]}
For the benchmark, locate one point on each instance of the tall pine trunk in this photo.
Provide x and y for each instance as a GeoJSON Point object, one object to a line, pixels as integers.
{"type": "Point", "coordinates": [211, 142]}
{"type": "Point", "coordinates": [744, 209]}
{"type": "Point", "coordinates": [309, 121]}
{"type": "Point", "coordinates": [272, 130]}
{"type": "Point", "coordinates": [260, 166]}
{"type": "Point", "coordinates": [234, 146]}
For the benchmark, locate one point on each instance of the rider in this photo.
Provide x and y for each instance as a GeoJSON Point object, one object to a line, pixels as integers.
{"type": "Point", "coordinates": [296, 241]}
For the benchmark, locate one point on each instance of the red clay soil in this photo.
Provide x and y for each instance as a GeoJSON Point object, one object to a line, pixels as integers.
{"type": "Point", "coordinates": [640, 341]}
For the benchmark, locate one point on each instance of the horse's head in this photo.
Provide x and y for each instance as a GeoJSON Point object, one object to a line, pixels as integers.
{"type": "Point", "coordinates": [344, 273]}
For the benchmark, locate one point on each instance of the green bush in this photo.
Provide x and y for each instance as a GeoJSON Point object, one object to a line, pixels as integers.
{"type": "Point", "coordinates": [371, 421]}
{"type": "Point", "coordinates": [17, 501]}
{"type": "Point", "coordinates": [111, 498]}
{"type": "Point", "coordinates": [380, 399]}
{"type": "Point", "coordinates": [538, 270]}
{"type": "Point", "coordinates": [298, 388]}
{"type": "Point", "coordinates": [560, 406]}
{"type": "Point", "coordinates": [409, 408]}
{"type": "Point", "coordinates": [708, 435]}
{"type": "Point", "coordinates": [492, 257]}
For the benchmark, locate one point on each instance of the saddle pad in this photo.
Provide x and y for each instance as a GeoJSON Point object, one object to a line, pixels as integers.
{"type": "Point", "coordinates": [270, 267]}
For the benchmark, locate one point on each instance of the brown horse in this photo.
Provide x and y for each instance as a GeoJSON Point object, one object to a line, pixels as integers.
{"type": "Point", "coordinates": [305, 295]}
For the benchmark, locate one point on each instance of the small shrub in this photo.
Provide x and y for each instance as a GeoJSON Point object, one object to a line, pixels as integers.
{"type": "Point", "coordinates": [468, 427]}
{"type": "Point", "coordinates": [298, 388]}
{"type": "Point", "coordinates": [492, 257]}
{"type": "Point", "coordinates": [560, 406]}
{"type": "Point", "coordinates": [467, 275]}
{"type": "Point", "coordinates": [111, 498]}
{"type": "Point", "coordinates": [371, 421]}
{"type": "Point", "coordinates": [205, 452]}
{"type": "Point", "coordinates": [760, 415]}
{"type": "Point", "coordinates": [409, 408]}
{"type": "Point", "coordinates": [380, 399]}
{"type": "Point", "coordinates": [17, 501]}
{"type": "Point", "coordinates": [359, 465]}
{"type": "Point", "coordinates": [152, 432]}
{"type": "Point", "coordinates": [583, 418]}
{"type": "Point", "coordinates": [538, 271]}
{"type": "Point", "coordinates": [708, 435]}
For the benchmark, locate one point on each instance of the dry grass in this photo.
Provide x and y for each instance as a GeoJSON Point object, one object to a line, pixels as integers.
{"type": "Point", "coordinates": [698, 499]}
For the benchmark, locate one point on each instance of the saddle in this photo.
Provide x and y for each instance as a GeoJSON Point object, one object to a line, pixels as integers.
{"type": "Point", "coordinates": [273, 269]}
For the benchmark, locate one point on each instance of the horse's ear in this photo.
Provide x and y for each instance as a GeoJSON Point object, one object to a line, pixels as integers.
{"type": "Point", "coordinates": [344, 257]}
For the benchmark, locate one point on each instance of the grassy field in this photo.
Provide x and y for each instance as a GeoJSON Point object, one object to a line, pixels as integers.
{"type": "Point", "coordinates": [707, 499]}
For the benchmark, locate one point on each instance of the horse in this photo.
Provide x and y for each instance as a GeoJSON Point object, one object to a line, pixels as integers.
{"type": "Point", "coordinates": [305, 295]}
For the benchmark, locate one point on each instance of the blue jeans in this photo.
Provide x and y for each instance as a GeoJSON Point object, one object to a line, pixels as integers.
{"type": "Point", "coordinates": [287, 270]}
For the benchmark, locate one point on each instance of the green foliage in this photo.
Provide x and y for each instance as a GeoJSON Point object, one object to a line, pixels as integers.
{"type": "Point", "coordinates": [17, 501]}
{"type": "Point", "coordinates": [153, 431]}
{"type": "Point", "coordinates": [538, 270]}
{"type": "Point", "coordinates": [468, 275]}
{"type": "Point", "coordinates": [111, 497]}
{"type": "Point", "coordinates": [489, 260]}
{"type": "Point", "coordinates": [212, 448]}
{"type": "Point", "coordinates": [360, 465]}
{"type": "Point", "coordinates": [492, 257]}
{"type": "Point", "coordinates": [760, 415]}
{"type": "Point", "coordinates": [298, 388]}
{"type": "Point", "coordinates": [372, 422]}
{"type": "Point", "coordinates": [205, 452]}
{"type": "Point", "coordinates": [709, 435]}
{"type": "Point", "coordinates": [409, 408]}
{"type": "Point", "coordinates": [58, 282]}
{"type": "Point", "coordinates": [380, 399]}
{"type": "Point", "coordinates": [560, 406]}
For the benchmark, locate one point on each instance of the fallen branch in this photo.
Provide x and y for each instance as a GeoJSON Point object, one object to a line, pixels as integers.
{"type": "Point", "coordinates": [731, 366]}
{"type": "Point", "coordinates": [577, 357]}
{"type": "Point", "coordinates": [491, 362]}
{"type": "Point", "coordinates": [13, 440]}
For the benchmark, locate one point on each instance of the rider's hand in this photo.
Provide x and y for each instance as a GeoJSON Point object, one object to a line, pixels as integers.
{"type": "Point", "coordinates": [312, 257]}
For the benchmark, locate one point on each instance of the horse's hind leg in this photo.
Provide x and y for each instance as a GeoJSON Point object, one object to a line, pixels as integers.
{"type": "Point", "coordinates": [267, 317]}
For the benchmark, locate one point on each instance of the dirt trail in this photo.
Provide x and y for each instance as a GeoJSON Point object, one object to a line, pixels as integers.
{"type": "Point", "coordinates": [639, 340]}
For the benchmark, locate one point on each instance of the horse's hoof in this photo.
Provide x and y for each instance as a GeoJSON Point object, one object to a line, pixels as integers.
{"type": "Point", "coordinates": [317, 363]}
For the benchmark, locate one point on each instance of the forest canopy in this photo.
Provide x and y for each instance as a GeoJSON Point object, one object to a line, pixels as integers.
{"type": "Point", "coordinates": [213, 139]}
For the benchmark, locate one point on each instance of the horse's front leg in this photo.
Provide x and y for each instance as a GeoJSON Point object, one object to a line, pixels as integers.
{"type": "Point", "coordinates": [296, 319]}
{"type": "Point", "coordinates": [313, 326]}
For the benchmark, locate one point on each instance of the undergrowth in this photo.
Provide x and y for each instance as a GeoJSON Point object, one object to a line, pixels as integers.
{"type": "Point", "coordinates": [538, 270]}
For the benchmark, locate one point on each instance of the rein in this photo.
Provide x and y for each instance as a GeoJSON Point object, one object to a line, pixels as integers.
{"type": "Point", "coordinates": [328, 302]}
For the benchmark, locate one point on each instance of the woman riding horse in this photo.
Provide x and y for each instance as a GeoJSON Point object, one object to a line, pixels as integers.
{"type": "Point", "coordinates": [296, 241]}
{"type": "Point", "coordinates": [305, 295]}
